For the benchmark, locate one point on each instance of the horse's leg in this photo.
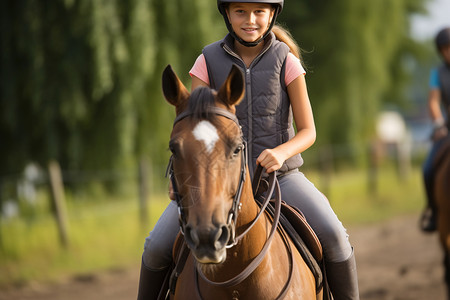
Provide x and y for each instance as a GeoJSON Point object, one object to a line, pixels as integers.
{"type": "Point", "coordinates": [447, 272]}
{"type": "Point", "coordinates": [442, 192]}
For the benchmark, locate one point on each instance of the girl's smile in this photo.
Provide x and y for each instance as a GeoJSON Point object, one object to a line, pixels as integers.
{"type": "Point", "coordinates": [250, 20]}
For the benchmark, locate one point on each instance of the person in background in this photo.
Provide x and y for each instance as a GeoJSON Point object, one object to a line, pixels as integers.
{"type": "Point", "coordinates": [438, 98]}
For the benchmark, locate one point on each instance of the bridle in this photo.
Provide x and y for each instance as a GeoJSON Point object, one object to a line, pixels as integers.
{"type": "Point", "coordinates": [233, 213]}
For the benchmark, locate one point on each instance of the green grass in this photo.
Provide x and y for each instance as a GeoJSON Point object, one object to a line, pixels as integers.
{"type": "Point", "coordinates": [355, 203]}
{"type": "Point", "coordinates": [102, 236]}
{"type": "Point", "coordinates": [108, 234]}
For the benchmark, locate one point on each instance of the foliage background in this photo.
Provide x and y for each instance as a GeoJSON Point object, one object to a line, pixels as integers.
{"type": "Point", "coordinates": [80, 84]}
{"type": "Point", "coordinates": [80, 80]}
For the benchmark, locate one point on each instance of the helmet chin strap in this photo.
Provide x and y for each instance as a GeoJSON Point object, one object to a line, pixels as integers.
{"type": "Point", "coordinates": [255, 43]}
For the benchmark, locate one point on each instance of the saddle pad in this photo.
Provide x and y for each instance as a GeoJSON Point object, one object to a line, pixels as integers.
{"type": "Point", "coordinates": [298, 221]}
{"type": "Point", "coordinates": [313, 264]}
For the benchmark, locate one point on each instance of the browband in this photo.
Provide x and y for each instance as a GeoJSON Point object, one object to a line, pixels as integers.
{"type": "Point", "coordinates": [211, 110]}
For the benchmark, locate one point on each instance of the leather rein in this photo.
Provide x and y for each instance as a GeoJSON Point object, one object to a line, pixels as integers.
{"type": "Point", "coordinates": [233, 213]}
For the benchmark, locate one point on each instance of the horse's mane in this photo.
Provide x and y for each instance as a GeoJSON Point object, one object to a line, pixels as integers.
{"type": "Point", "coordinates": [200, 102]}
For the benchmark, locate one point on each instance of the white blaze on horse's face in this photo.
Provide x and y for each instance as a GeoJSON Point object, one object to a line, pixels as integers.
{"type": "Point", "coordinates": [207, 133]}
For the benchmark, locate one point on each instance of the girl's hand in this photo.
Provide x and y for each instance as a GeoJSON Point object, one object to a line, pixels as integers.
{"type": "Point", "coordinates": [439, 133]}
{"type": "Point", "coordinates": [271, 159]}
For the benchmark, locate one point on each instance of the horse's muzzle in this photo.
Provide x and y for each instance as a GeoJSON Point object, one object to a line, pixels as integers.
{"type": "Point", "coordinates": [208, 244]}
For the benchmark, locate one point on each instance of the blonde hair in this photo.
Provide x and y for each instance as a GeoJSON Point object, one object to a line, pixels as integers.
{"type": "Point", "coordinates": [285, 36]}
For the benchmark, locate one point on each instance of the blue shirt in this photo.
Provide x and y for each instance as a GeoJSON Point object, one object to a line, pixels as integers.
{"type": "Point", "coordinates": [434, 82]}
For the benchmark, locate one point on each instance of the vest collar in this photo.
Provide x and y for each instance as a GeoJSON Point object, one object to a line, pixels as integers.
{"type": "Point", "coordinates": [229, 41]}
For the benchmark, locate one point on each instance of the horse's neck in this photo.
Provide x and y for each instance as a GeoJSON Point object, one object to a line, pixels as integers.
{"type": "Point", "coordinates": [249, 209]}
{"type": "Point", "coordinates": [254, 240]}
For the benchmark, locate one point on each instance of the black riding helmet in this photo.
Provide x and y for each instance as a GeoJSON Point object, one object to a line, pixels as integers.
{"type": "Point", "coordinates": [442, 38]}
{"type": "Point", "coordinates": [222, 5]}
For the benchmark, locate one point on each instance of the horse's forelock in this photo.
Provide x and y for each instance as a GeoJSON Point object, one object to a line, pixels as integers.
{"type": "Point", "coordinates": [201, 99]}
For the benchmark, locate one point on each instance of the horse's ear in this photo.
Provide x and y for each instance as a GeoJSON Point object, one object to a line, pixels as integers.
{"type": "Point", "coordinates": [173, 89]}
{"type": "Point", "coordinates": [232, 91]}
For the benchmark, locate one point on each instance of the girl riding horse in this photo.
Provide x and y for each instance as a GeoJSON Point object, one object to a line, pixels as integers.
{"type": "Point", "coordinates": [275, 96]}
{"type": "Point", "coordinates": [238, 250]}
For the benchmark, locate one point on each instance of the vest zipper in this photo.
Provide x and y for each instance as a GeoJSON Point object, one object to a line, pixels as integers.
{"type": "Point", "coordinates": [249, 99]}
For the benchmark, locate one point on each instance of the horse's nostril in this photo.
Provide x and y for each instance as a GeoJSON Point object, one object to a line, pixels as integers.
{"type": "Point", "coordinates": [191, 237]}
{"type": "Point", "coordinates": [222, 237]}
{"type": "Point", "coordinates": [209, 237]}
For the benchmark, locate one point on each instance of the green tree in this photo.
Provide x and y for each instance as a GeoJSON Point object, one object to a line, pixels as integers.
{"type": "Point", "coordinates": [182, 29]}
{"type": "Point", "coordinates": [81, 79]}
{"type": "Point", "coordinates": [356, 52]}
{"type": "Point", "coordinates": [72, 74]}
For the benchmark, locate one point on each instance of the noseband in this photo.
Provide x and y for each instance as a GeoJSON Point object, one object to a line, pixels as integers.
{"type": "Point", "coordinates": [233, 213]}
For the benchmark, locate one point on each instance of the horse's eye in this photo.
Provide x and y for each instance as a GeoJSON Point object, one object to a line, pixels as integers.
{"type": "Point", "coordinates": [173, 148]}
{"type": "Point", "coordinates": [238, 149]}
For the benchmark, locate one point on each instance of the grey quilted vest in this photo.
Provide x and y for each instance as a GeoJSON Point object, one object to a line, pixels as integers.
{"type": "Point", "coordinates": [265, 113]}
{"type": "Point", "coordinates": [444, 81]}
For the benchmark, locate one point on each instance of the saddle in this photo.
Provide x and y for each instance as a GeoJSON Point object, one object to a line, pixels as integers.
{"type": "Point", "coordinates": [293, 222]}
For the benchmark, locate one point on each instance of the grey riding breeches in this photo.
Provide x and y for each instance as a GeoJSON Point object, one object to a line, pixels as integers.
{"type": "Point", "coordinates": [296, 190]}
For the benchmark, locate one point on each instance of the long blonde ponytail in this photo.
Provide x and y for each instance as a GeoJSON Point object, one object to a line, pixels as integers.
{"type": "Point", "coordinates": [285, 36]}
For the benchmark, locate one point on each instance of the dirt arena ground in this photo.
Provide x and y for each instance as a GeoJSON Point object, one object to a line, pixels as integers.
{"type": "Point", "coordinates": [395, 262]}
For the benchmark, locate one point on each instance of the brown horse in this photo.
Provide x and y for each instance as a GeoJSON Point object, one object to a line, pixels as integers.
{"type": "Point", "coordinates": [442, 198]}
{"type": "Point", "coordinates": [236, 251]}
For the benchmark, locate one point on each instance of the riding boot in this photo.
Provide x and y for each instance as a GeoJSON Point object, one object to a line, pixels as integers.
{"type": "Point", "coordinates": [343, 279]}
{"type": "Point", "coordinates": [428, 221]}
{"type": "Point", "coordinates": [151, 283]}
